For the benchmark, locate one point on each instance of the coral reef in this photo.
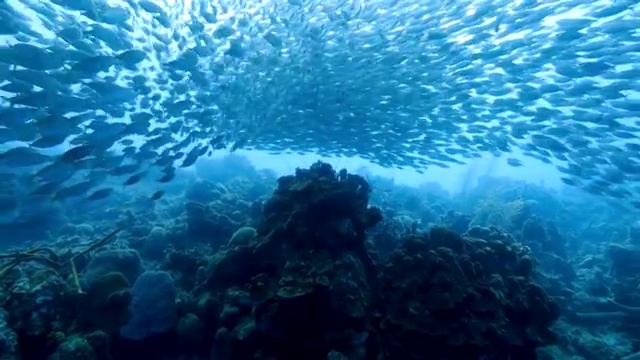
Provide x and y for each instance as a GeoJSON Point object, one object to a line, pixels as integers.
{"type": "Point", "coordinates": [325, 264]}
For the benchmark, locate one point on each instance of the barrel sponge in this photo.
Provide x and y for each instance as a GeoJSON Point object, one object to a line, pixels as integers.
{"type": "Point", "coordinates": [153, 306]}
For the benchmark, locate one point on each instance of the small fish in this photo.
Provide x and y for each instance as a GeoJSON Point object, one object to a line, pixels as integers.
{"type": "Point", "coordinates": [132, 57]}
{"type": "Point", "coordinates": [168, 169]}
{"type": "Point", "coordinates": [157, 195]}
{"type": "Point", "coordinates": [134, 178]}
{"type": "Point", "coordinates": [514, 162]}
{"type": "Point", "coordinates": [124, 169]}
{"type": "Point", "coordinates": [73, 190]}
{"type": "Point", "coordinates": [77, 153]}
{"type": "Point", "coordinates": [238, 145]}
{"type": "Point", "coordinates": [100, 194]}
{"type": "Point", "coordinates": [17, 87]}
{"type": "Point", "coordinates": [49, 141]}
{"type": "Point", "coordinates": [22, 157]}
{"type": "Point", "coordinates": [46, 189]}
{"type": "Point", "coordinates": [568, 181]}
{"type": "Point", "coordinates": [191, 158]}
{"type": "Point", "coordinates": [164, 160]}
{"type": "Point", "coordinates": [167, 177]}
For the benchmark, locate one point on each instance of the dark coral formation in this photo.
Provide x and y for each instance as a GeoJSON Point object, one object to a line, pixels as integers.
{"type": "Point", "coordinates": [307, 274]}
{"type": "Point", "coordinates": [443, 296]}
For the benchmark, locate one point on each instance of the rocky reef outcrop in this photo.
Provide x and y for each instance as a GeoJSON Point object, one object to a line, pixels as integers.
{"type": "Point", "coordinates": [307, 287]}
{"type": "Point", "coordinates": [443, 296]}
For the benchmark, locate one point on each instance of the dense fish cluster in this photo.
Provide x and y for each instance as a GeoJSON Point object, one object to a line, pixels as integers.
{"type": "Point", "coordinates": [133, 90]}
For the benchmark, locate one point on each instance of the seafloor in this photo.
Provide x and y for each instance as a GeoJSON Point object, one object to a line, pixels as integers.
{"type": "Point", "coordinates": [323, 264]}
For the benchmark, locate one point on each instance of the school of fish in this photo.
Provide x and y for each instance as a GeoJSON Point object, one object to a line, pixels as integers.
{"type": "Point", "coordinates": [134, 90]}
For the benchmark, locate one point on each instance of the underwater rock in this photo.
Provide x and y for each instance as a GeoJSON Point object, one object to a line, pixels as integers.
{"type": "Point", "coordinates": [334, 355]}
{"type": "Point", "coordinates": [157, 233]}
{"type": "Point", "coordinates": [221, 349]}
{"type": "Point", "coordinates": [590, 343]}
{"type": "Point", "coordinates": [125, 261]}
{"type": "Point", "coordinates": [246, 328]}
{"type": "Point", "coordinates": [208, 308]}
{"type": "Point", "coordinates": [383, 239]}
{"type": "Point", "coordinates": [321, 209]}
{"type": "Point", "coordinates": [343, 277]}
{"type": "Point", "coordinates": [99, 341]}
{"type": "Point", "coordinates": [624, 269]}
{"type": "Point", "coordinates": [549, 248]}
{"type": "Point", "coordinates": [233, 266]}
{"type": "Point", "coordinates": [8, 338]}
{"type": "Point", "coordinates": [556, 244]}
{"type": "Point", "coordinates": [491, 233]}
{"type": "Point", "coordinates": [243, 236]}
{"type": "Point", "coordinates": [184, 265]}
{"type": "Point", "coordinates": [465, 302]}
{"type": "Point", "coordinates": [84, 230]}
{"type": "Point", "coordinates": [456, 222]}
{"type": "Point", "coordinates": [518, 212]}
{"type": "Point", "coordinates": [321, 301]}
{"type": "Point", "coordinates": [190, 329]}
{"type": "Point", "coordinates": [106, 301]}
{"type": "Point", "coordinates": [230, 315]}
{"type": "Point", "coordinates": [205, 223]}
{"type": "Point", "coordinates": [534, 234]}
{"type": "Point", "coordinates": [203, 192]}
{"type": "Point", "coordinates": [73, 348]}
{"type": "Point", "coordinates": [255, 211]}
{"type": "Point", "coordinates": [405, 225]}
{"type": "Point", "coordinates": [35, 299]}
{"type": "Point", "coordinates": [525, 266]}
{"type": "Point", "coordinates": [153, 306]}
{"type": "Point", "coordinates": [430, 214]}
{"type": "Point", "coordinates": [153, 245]}
{"type": "Point", "coordinates": [320, 201]}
